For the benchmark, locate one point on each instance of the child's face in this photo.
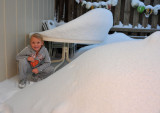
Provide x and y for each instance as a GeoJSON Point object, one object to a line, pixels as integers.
{"type": "Point", "coordinates": [36, 44]}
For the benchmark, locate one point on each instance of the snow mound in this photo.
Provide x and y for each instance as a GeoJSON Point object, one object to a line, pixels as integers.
{"type": "Point", "coordinates": [111, 38]}
{"type": "Point", "coordinates": [91, 27]}
{"type": "Point", "coordinates": [5, 109]}
{"type": "Point", "coordinates": [114, 78]}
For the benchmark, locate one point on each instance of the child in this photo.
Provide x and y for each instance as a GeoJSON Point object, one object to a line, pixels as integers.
{"type": "Point", "coordinates": [34, 59]}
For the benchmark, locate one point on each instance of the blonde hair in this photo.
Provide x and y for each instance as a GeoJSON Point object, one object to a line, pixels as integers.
{"type": "Point", "coordinates": [38, 36]}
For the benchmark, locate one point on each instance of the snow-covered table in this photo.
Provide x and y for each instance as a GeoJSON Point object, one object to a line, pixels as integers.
{"type": "Point", "coordinates": [90, 28]}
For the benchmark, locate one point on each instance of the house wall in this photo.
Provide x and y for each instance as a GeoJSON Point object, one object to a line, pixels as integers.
{"type": "Point", "coordinates": [19, 18]}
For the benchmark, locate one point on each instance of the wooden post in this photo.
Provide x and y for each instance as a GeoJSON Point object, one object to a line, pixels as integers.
{"type": "Point", "coordinates": [135, 21]}
{"type": "Point", "coordinates": [135, 18]}
{"type": "Point", "coordinates": [155, 17]}
{"type": "Point", "coordinates": [66, 11]}
{"type": "Point", "coordinates": [61, 9]}
{"type": "Point", "coordinates": [57, 9]}
{"type": "Point", "coordinates": [159, 19]}
{"type": "Point", "coordinates": [117, 13]}
{"type": "Point", "coordinates": [127, 12]}
{"type": "Point", "coordinates": [122, 10]}
{"type": "Point", "coordinates": [70, 9]}
{"type": "Point", "coordinates": [78, 9]}
{"type": "Point", "coordinates": [145, 19]}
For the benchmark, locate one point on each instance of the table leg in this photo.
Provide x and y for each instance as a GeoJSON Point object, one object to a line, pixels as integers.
{"type": "Point", "coordinates": [65, 56]}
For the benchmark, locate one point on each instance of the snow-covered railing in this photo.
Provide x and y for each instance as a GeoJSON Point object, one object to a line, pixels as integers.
{"type": "Point", "coordinates": [138, 33]}
{"type": "Point", "coordinates": [127, 12]}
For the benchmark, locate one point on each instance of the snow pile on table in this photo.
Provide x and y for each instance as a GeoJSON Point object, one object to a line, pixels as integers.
{"type": "Point", "coordinates": [91, 27]}
{"type": "Point", "coordinates": [114, 78]}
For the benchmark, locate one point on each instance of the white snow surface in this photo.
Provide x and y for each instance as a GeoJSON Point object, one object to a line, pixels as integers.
{"type": "Point", "coordinates": [92, 27]}
{"type": "Point", "coordinates": [121, 77]}
{"type": "Point", "coordinates": [136, 3]}
{"type": "Point", "coordinates": [112, 38]}
{"type": "Point", "coordinates": [97, 4]}
{"type": "Point", "coordinates": [131, 26]}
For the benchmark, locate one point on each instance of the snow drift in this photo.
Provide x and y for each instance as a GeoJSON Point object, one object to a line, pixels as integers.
{"type": "Point", "coordinates": [92, 27]}
{"type": "Point", "coordinates": [121, 77]}
{"type": "Point", "coordinates": [111, 38]}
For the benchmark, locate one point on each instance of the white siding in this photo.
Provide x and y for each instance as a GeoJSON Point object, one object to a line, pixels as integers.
{"type": "Point", "coordinates": [2, 42]}
{"type": "Point", "coordinates": [11, 34]}
{"type": "Point", "coordinates": [19, 18]}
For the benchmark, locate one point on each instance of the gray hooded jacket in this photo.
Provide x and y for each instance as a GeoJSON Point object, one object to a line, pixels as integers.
{"type": "Point", "coordinates": [42, 57]}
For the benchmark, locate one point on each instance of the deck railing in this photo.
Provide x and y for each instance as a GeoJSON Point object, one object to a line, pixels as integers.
{"type": "Point", "coordinates": [123, 12]}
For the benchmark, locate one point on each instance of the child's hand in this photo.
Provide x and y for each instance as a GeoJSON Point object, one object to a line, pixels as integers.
{"type": "Point", "coordinates": [35, 70]}
{"type": "Point", "coordinates": [35, 63]}
{"type": "Point", "coordinates": [31, 59]}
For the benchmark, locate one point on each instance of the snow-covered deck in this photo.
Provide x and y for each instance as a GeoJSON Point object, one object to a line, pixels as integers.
{"type": "Point", "coordinates": [125, 79]}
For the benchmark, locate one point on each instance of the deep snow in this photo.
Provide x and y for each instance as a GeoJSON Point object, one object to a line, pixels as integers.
{"type": "Point", "coordinates": [120, 75]}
